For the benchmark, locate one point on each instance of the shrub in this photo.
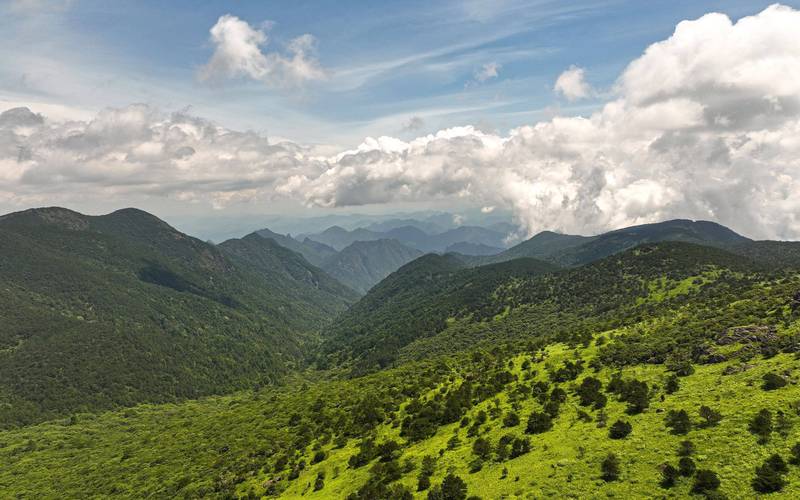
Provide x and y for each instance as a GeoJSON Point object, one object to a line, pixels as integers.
{"type": "Point", "coordinates": [711, 417]}
{"type": "Point", "coordinates": [619, 430]}
{"type": "Point", "coordinates": [318, 457]}
{"type": "Point", "coordinates": [761, 425]}
{"type": "Point", "coordinates": [773, 381]}
{"type": "Point", "coordinates": [770, 476]}
{"type": "Point", "coordinates": [678, 421]}
{"type": "Point", "coordinates": [705, 481]}
{"type": "Point", "coordinates": [669, 475]}
{"type": "Point", "coordinates": [538, 423]}
{"type": "Point", "coordinates": [520, 447]}
{"type": "Point", "coordinates": [423, 483]}
{"type": "Point", "coordinates": [672, 385]}
{"type": "Point", "coordinates": [511, 419]}
{"type": "Point", "coordinates": [319, 482]}
{"type": "Point", "coordinates": [686, 466]}
{"type": "Point", "coordinates": [685, 448]}
{"type": "Point", "coordinates": [609, 468]}
{"type": "Point", "coordinates": [482, 448]}
{"type": "Point", "coordinates": [795, 451]}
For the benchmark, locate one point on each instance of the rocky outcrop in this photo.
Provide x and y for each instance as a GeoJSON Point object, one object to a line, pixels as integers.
{"type": "Point", "coordinates": [747, 334]}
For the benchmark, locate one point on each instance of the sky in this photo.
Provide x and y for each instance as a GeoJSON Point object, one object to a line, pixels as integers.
{"type": "Point", "coordinates": [571, 116]}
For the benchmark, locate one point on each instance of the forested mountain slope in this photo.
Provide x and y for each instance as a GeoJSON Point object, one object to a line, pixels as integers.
{"type": "Point", "coordinates": [661, 372]}
{"type": "Point", "coordinates": [571, 250]}
{"type": "Point", "coordinates": [316, 253]}
{"type": "Point", "coordinates": [416, 301]}
{"type": "Point", "coordinates": [98, 312]}
{"type": "Point", "coordinates": [363, 264]}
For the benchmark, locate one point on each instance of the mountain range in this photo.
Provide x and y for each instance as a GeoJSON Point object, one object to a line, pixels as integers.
{"type": "Point", "coordinates": [178, 368]}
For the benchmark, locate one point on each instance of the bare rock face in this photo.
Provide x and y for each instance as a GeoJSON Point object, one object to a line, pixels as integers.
{"type": "Point", "coordinates": [747, 334]}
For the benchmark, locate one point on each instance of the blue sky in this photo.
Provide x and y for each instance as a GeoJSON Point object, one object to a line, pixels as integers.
{"type": "Point", "coordinates": [387, 62]}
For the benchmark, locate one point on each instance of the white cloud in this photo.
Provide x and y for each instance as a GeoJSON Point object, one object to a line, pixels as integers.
{"type": "Point", "coordinates": [572, 84]}
{"type": "Point", "coordinates": [238, 54]}
{"type": "Point", "coordinates": [487, 72]}
{"type": "Point", "coordinates": [705, 124]}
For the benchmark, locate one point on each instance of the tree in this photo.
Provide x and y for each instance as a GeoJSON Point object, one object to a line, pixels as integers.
{"type": "Point", "coordinates": [705, 481]}
{"type": "Point", "coordinates": [319, 482]}
{"type": "Point", "coordinates": [761, 425]}
{"type": "Point", "coordinates": [672, 385]}
{"type": "Point", "coordinates": [769, 477]}
{"type": "Point", "coordinates": [589, 391]}
{"type": "Point", "coordinates": [423, 483]}
{"type": "Point", "coordinates": [669, 475]}
{"type": "Point", "coordinates": [678, 421]}
{"type": "Point", "coordinates": [686, 448]}
{"type": "Point", "coordinates": [538, 423]}
{"type": "Point", "coordinates": [711, 417]}
{"type": "Point", "coordinates": [680, 362]}
{"type": "Point", "coordinates": [619, 430]}
{"type": "Point", "coordinates": [482, 448]}
{"type": "Point", "coordinates": [772, 381]}
{"type": "Point", "coordinates": [637, 395]}
{"type": "Point", "coordinates": [783, 424]}
{"type": "Point", "coordinates": [609, 468]}
{"type": "Point", "coordinates": [520, 447]}
{"type": "Point", "coordinates": [795, 451]}
{"type": "Point", "coordinates": [686, 466]}
{"type": "Point", "coordinates": [453, 488]}
{"type": "Point", "coordinates": [511, 419]}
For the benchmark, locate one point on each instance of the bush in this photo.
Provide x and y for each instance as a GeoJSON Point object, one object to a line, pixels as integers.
{"type": "Point", "coordinates": [609, 468]}
{"type": "Point", "coordinates": [619, 430]}
{"type": "Point", "coordinates": [672, 385]}
{"type": "Point", "coordinates": [538, 423]}
{"type": "Point", "coordinates": [520, 447]}
{"type": "Point", "coordinates": [669, 475]}
{"type": "Point", "coordinates": [705, 481]}
{"type": "Point", "coordinates": [686, 466]}
{"type": "Point", "coordinates": [423, 483]}
{"type": "Point", "coordinates": [511, 419]}
{"type": "Point", "coordinates": [773, 381]}
{"type": "Point", "coordinates": [678, 421]}
{"type": "Point", "coordinates": [685, 448]}
{"type": "Point", "coordinates": [711, 417]}
{"type": "Point", "coordinates": [318, 457]}
{"type": "Point", "coordinates": [770, 476]}
{"type": "Point", "coordinates": [761, 425]}
{"type": "Point", "coordinates": [795, 451]}
{"type": "Point", "coordinates": [482, 448]}
{"type": "Point", "coordinates": [452, 488]}
{"type": "Point", "coordinates": [319, 482]}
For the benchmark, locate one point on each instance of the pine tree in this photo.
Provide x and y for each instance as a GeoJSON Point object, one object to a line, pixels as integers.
{"type": "Point", "coordinates": [609, 469]}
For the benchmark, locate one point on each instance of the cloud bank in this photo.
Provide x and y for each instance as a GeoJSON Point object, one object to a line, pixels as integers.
{"type": "Point", "coordinates": [705, 124]}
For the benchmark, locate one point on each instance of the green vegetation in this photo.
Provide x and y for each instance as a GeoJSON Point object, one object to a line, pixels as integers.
{"type": "Point", "coordinates": [666, 370]}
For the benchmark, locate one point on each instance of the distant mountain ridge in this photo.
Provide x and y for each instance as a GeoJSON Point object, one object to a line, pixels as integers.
{"type": "Point", "coordinates": [363, 264]}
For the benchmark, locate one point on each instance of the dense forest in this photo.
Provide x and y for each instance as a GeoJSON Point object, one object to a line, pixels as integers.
{"type": "Point", "coordinates": [661, 369]}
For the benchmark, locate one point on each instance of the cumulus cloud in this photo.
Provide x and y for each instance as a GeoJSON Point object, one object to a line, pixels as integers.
{"type": "Point", "coordinates": [572, 84]}
{"type": "Point", "coordinates": [238, 54]}
{"type": "Point", "coordinates": [705, 124]}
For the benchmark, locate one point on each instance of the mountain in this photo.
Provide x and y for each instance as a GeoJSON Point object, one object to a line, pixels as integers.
{"type": "Point", "coordinates": [543, 246]}
{"type": "Point", "coordinates": [339, 238]}
{"type": "Point", "coordinates": [573, 250]}
{"type": "Point", "coordinates": [605, 380]}
{"type": "Point", "coordinates": [316, 253]}
{"type": "Point", "coordinates": [477, 249]}
{"type": "Point", "coordinates": [363, 264]}
{"type": "Point", "coordinates": [411, 235]}
{"type": "Point", "coordinates": [699, 232]}
{"type": "Point", "coordinates": [775, 254]}
{"type": "Point", "coordinates": [106, 311]}
{"type": "Point", "coordinates": [416, 301]}
{"type": "Point", "coordinates": [424, 226]}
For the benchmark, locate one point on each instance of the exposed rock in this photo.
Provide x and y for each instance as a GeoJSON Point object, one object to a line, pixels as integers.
{"type": "Point", "coordinates": [747, 334]}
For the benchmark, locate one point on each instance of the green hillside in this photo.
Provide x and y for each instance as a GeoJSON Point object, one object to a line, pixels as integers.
{"type": "Point", "coordinates": [671, 355]}
{"type": "Point", "coordinates": [108, 311]}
